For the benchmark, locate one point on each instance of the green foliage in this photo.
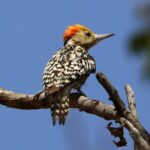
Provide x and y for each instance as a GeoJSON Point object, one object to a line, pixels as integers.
{"type": "Point", "coordinates": [139, 41]}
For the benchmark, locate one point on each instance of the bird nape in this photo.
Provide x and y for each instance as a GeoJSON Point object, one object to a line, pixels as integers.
{"type": "Point", "coordinates": [69, 68]}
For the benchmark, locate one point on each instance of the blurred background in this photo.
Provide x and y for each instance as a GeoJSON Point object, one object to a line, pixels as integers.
{"type": "Point", "coordinates": [139, 38]}
{"type": "Point", "coordinates": [31, 32]}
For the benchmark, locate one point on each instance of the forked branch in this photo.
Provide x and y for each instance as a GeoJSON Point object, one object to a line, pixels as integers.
{"type": "Point", "coordinates": [118, 111]}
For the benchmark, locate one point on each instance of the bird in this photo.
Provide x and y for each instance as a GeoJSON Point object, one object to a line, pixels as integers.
{"type": "Point", "coordinates": [69, 68]}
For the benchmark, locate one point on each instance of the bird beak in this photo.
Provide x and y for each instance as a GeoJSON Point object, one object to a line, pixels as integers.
{"type": "Point", "coordinates": [100, 37]}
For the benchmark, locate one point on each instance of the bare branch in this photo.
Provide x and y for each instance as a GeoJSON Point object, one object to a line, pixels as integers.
{"type": "Point", "coordinates": [113, 93]}
{"type": "Point", "coordinates": [24, 101]}
{"type": "Point", "coordinates": [118, 112]}
{"type": "Point", "coordinates": [139, 140]}
{"type": "Point", "coordinates": [132, 108]}
{"type": "Point", "coordinates": [120, 106]}
{"type": "Point", "coordinates": [131, 101]}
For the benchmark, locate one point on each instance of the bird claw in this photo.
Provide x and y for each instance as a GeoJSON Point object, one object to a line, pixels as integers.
{"type": "Point", "coordinates": [81, 92]}
{"type": "Point", "coordinates": [36, 96]}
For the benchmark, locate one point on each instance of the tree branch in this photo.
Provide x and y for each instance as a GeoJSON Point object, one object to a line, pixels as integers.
{"type": "Point", "coordinates": [24, 101]}
{"type": "Point", "coordinates": [132, 108]}
{"type": "Point", "coordinates": [131, 101]}
{"type": "Point", "coordinates": [120, 106]}
{"type": "Point", "coordinates": [113, 93]}
{"type": "Point", "coordinates": [118, 112]}
{"type": "Point", "coordinates": [140, 142]}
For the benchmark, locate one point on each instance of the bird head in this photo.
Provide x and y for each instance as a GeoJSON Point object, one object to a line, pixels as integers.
{"type": "Point", "coordinates": [83, 36]}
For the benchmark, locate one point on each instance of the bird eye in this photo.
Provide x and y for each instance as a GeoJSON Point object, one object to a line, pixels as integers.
{"type": "Point", "coordinates": [88, 34]}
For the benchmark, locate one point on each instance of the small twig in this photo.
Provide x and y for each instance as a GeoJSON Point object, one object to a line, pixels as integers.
{"type": "Point", "coordinates": [131, 101]}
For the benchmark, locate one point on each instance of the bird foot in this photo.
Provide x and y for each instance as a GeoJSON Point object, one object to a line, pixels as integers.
{"type": "Point", "coordinates": [37, 96]}
{"type": "Point", "coordinates": [81, 92]}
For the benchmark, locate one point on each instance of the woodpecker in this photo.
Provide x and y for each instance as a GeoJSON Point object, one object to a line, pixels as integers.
{"type": "Point", "coordinates": [69, 68]}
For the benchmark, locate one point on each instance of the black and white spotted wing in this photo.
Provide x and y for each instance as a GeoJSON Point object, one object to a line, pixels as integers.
{"type": "Point", "coordinates": [67, 66]}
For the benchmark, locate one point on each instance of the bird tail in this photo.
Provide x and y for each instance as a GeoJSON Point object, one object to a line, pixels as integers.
{"type": "Point", "coordinates": [59, 110]}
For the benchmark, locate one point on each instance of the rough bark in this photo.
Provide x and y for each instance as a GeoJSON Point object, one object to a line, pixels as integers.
{"type": "Point", "coordinates": [126, 117]}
